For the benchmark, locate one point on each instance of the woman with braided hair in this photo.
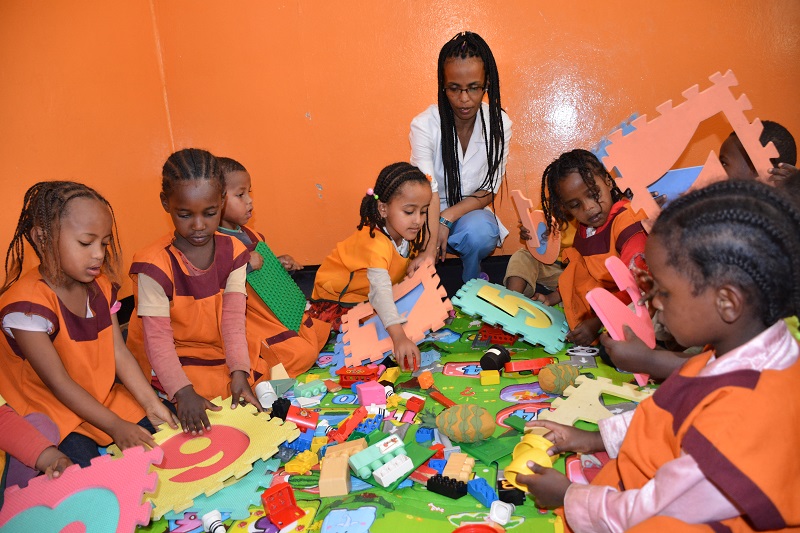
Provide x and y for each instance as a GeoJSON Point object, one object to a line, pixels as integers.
{"type": "Point", "coordinates": [725, 263]}
{"type": "Point", "coordinates": [462, 142]}
{"type": "Point", "coordinates": [393, 227]}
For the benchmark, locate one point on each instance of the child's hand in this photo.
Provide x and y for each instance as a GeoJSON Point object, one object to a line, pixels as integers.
{"type": "Point", "coordinates": [192, 411]}
{"type": "Point", "coordinates": [158, 413]}
{"type": "Point", "coordinates": [289, 264]}
{"type": "Point", "coordinates": [241, 392]}
{"type": "Point", "coordinates": [781, 173]}
{"type": "Point", "coordinates": [127, 435]}
{"type": "Point", "coordinates": [548, 299]}
{"type": "Point", "coordinates": [256, 261]}
{"type": "Point", "coordinates": [407, 354]}
{"type": "Point", "coordinates": [631, 354]}
{"type": "Point", "coordinates": [52, 462]}
{"type": "Point", "coordinates": [586, 332]}
{"type": "Point", "coordinates": [524, 234]}
{"type": "Point", "coordinates": [547, 486]}
{"type": "Point", "coordinates": [569, 438]}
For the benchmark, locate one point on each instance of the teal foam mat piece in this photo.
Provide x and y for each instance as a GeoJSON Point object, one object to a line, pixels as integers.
{"type": "Point", "coordinates": [277, 289]}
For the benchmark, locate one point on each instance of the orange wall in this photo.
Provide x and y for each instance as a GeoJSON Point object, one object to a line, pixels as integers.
{"type": "Point", "coordinates": [315, 97]}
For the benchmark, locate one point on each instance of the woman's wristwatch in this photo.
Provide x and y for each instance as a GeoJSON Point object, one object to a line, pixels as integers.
{"type": "Point", "coordinates": [446, 223]}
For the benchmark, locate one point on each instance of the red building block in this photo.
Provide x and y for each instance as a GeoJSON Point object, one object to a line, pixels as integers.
{"type": "Point", "coordinates": [415, 404]}
{"type": "Point", "coordinates": [350, 375]}
{"type": "Point", "coordinates": [304, 419]}
{"type": "Point", "coordinates": [534, 365]}
{"type": "Point", "coordinates": [280, 505]}
{"type": "Point", "coordinates": [349, 425]}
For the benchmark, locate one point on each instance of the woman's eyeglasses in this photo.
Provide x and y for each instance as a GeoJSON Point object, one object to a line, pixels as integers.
{"type": "Point", "coordinates": [472, 90]}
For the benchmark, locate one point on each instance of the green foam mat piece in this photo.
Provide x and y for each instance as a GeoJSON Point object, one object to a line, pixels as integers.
{"type": "Point", "coordinates": [277, 289]}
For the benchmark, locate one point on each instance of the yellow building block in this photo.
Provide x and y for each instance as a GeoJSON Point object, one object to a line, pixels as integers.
{"type": "Point", "coordinates": [391, 374]}
{"type": "Point", "coordinates": [490, 377]}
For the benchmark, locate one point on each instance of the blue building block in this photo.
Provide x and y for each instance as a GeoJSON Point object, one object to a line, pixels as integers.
{"type": "Point", "coordinates": [370, 424]}
{"type": "Point", "coordinates": [437, 464]}
{"type": "Point", "coordinates": [479, 489]}
{"type": "Point", "coordinates": [424, 435]}
{"type": "Point", "coordinates": [301, 443]}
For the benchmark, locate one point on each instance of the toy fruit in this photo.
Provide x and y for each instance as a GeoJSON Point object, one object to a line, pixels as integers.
{"type": "Point", "coordinates": [555, 378]}
{"type": "Point", "coordinates": [461, 423]}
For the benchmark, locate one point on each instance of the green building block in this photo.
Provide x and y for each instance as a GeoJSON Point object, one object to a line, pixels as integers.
{"type": "Point", "coordinates": [277, 289]}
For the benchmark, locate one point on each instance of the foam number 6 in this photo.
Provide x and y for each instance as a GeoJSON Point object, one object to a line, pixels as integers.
{"type": "Point", "coordinates": [535, 223]}
{"type": "Point", "coordinates": [224, 443]}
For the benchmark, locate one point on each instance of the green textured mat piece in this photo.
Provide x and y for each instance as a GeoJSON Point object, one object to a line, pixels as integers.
{"type": "Point", "coordinates": [277, 289]}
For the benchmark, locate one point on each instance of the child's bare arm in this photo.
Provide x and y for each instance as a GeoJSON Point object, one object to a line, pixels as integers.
{"type": "Point", "coordinates": [45, 361]}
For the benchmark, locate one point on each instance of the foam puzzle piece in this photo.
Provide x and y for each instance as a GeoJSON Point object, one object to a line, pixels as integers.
{"type": "Point", "coordinates": [545, 251]}
{"type": "Point", "coordinates": [614, 314]}
{"type": "Point", "coordinates": [237, 495]}
{"type": "Point", "coordinates": [200, 464]}
{"type": "Point", "coordinates": [111, 488]}
{"type": "Point", "coordinates": [419, 298]}
{"type": "Point", "coordinates": [534, 321]}
{"type": "Point", "coordinates": [644, 155]}
{"type": "Point", "coordinates": [277, 289]}
{"type": "Point", "coordinates": [583, 400]}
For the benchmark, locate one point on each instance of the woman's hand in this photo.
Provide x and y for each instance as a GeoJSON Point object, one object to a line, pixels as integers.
{"type": "Point", "coordinates": [569, 438]}
{"type": "Point", "coordinates": [127, 435]}
{"type": "Point", "coordinates": [441, 242]}
{"type": "Point", "coordinates": [192, 411]}
{"type": "Point", "coordinates": [241, 392]}
{"type": "Point", "coordinates": [52, 462]}
{"type": "Point", "coordinates": [548, 486]}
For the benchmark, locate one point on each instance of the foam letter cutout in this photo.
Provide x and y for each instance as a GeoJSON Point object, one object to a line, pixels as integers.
{"type": "Point", "coordinates": [535, 223]}
{"type": "Point", "coordinates": [201, 464]}
{"type": "Point", "coordinates": [419, 298]}
{"type": "Point", "coordinates": [644, 155]}
{"type": "Point", "coordinates": [614, 314]}
{"type": "Point", "coordinates": [106, 496]}
{"type": "Point", "coordinates": [534, 321]}
{"type": "Point", "coordinates": [583, 400]}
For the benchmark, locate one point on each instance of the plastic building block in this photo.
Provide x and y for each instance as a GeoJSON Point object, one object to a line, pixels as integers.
{"type": "Point", "coordinates": [545, 250]}
{"type": "Point", "coordinates": [425, 380]}
{"type": "Point", "coordinates": [442, 399]}
{"type": "Point", "coordinates": [501, 512]}
{"type": "Point", "coordinates": [515, 422]}
{"type": "Point", "coordinates": [415, 404]}
{"type": "Point", "coordinates": [479, 489]}
{"type": "Point", "coordinates": [212, 522]}
{"type": "Point", "coordinates": [642, 156]}
{"type": "Point", "coordinates": [285, 454]}
{"type": "Point", "coordinates": [535, 322]}
{"type": "Point", "coordinates": [279, 373]}
{"type": "Point", "coordinates": [334, 476]}
{"type": "Point", "coordinates": [304, 419]}
{"type": "Point", "coordinates": [371, 392]}
{"type": "Point", "coordinates": [495, 357]}
{"type": "Point", "coordinates": [393, 470]}
{"type": "Point", "coordinates": [583, 400]}
{"type": "Point", "coordinates": [424, 435]}
{"type": "Point", "coordinates": [534, 365]}
{"type": "Point", "coordinates": [365, 462]}
{"type": "Point", "coordinates": [301, 463]}
{"type": "Point", "coordinates": [266, 394]}
{"type": "Point", "coordinates": [370, 424]}
{"type": "Point", "coordinates": [508, 493]}
{"type": "Point", "coordinates": [419, 298]}
{"type": "Point", "coordinates": [391, 374]}
{"type": "Point", "coordinates": [106, 496]}
{"type": "Point", "coordinates": [301, 443]}
{"type": "Point", "coordinates": [437, 464]}
{"type": "Point", "coordinates": [347, 426]}
{"type": "Point", "coordinates": [490, 450]}
{"type": "Point", "coordinates": [317, 443]}
{"type": "Point", "coordinates": [459, 466]}
{"type": "Point", "coordinates": [310, 388]}
{"type": "Point", "coordinates": [332, 385]}
{"type": "Point", "coordinates": [614, 314]}
{"type": "Point", "coordinates": [350, 375]}
{"type": "Point", "coordinates": [277, 289]}
{"type": "Point", "coordinates": [494, 335]}
{"type": "Point", "coordinates": [346, 449]}
{"type": "Point", "coordinates": [490, 377]}
{"type": "Point", "coordinates": [452, 488]}
{"type": "Point", "coordinates": [280, 505]}
{"type": "Point", "coordinates": [280, 408]}
{"type": "Point", "coordinates": [240, 436]}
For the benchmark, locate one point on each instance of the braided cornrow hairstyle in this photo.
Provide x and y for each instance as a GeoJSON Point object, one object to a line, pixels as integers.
{"type": "Point", "coordinates": [43, 207]}
{"type": "Point", "coordinates": [462, 46]}
{"type": "Point", "coordinates": [388, 184]}
{"type": "Point", "coordinates": [227, 165]}
{"type": "Point", "coordinates": [589, 167]}
{"type": "Point", "coordinates": [191, 164]}
{"type": "Point", "coordinates": [738, 232]}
